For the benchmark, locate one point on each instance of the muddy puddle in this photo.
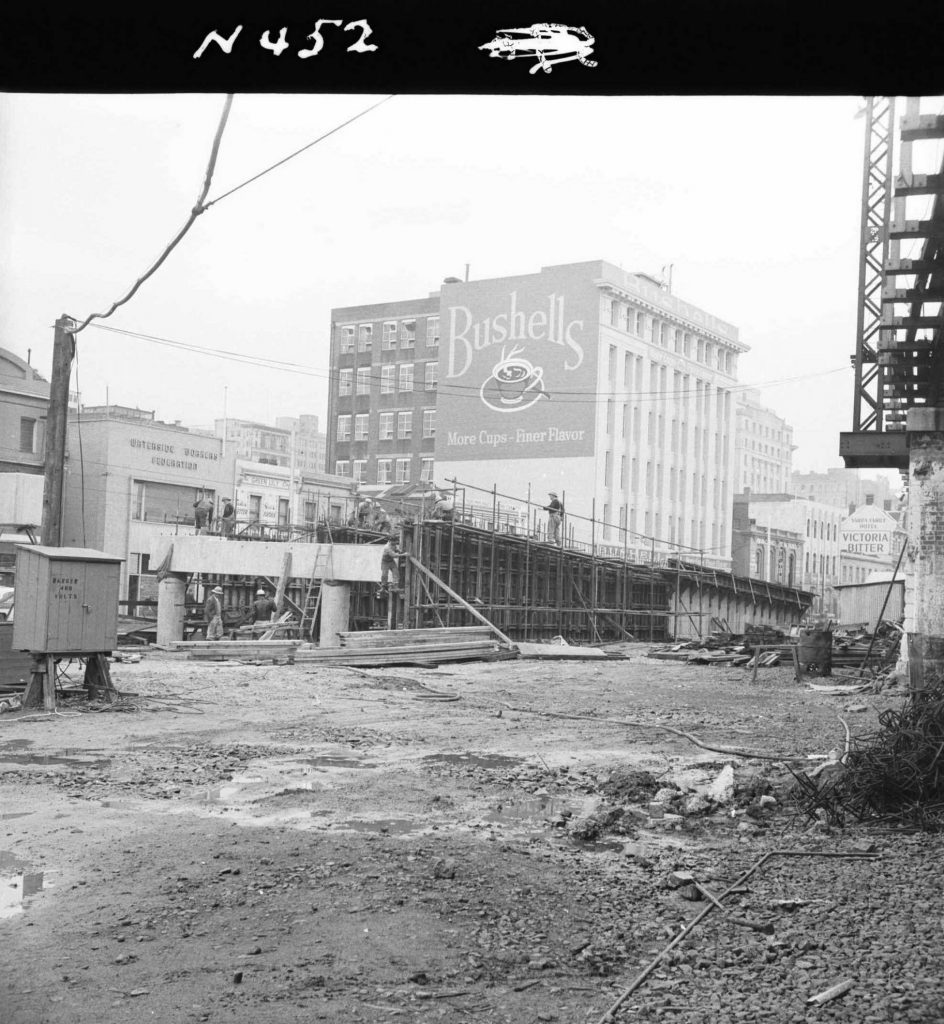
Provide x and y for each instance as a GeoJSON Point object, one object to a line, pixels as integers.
{"type": "Point", "coordinates": [331, 761]}
{"type": "Point", "coordinates": [16, 884]}
{"type": "Point", "coordinates": [529, 811]}
{"type": "Point", "coordinates": [75, 758]}
{"type": "Point", "coordinates": [385, 826]}
{"type": "Point", "coordinates": [474, 760]}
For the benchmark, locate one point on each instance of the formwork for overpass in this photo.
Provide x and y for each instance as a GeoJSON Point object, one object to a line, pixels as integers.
{"type": "Point", "coordinates": [454, 573]}
{"type": "Point", "coordinates": [532, 590]}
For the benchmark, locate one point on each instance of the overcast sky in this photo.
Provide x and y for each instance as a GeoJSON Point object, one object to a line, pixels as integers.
{"type": "Point", "coordinates": [755, 201]}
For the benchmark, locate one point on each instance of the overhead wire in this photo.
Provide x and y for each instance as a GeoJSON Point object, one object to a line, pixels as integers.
{"type": "Point", "coordinates": [198, 208]}
{"type": "Point", "coordinates": [586, 396]}
{"type": "Point", "coordinates": [284, 160]}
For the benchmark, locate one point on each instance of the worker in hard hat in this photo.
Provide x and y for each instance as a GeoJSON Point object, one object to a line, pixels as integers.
{"type": "Point", "coordinates": [263, 608]}
{"type": "Point", "coordinates": [213, 610]}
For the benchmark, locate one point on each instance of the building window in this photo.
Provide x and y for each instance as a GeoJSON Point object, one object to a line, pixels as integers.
{"type": "Point", "coordinates": [387, 379]}
{"type": "Point", "coordinates": [432, 376]}
{"type": "Point", "coordinates": [363, 380]}
{"type": "Point", "coordinates": [342, 468]}
{"type": "Point", "coordinates": [346, 382]}
{"type": "Point", "coordinates": [640, 324]}
{"type": "Point", "coordinates": [407, 333]}
{"type": "Point", "coordinates": [283, 519]}
{"type": "Point", "coordinates": [404, 427]}
{"type": "Point", "coordinates": [386, 426]}
{"type": "Point", "coordinates": [607, 464]}
{"type": "Point", "coordinates": [347, 340]}
{"type": "Point", "coordinates": [364, 336]}
{"type": "Point", "coordinates": [255, 507]}
{"type": "Point", "coordinates": [389, 340]}
{"type": "Point", "coordinates": [360, 471]}
{"type": "Point", "coordinates": [429, 423]}
{"type": "Point", "coordinates": [344, 428]}
{"type": "Point", "coordinates": [27, 434]}
{"type": "Point", "coordinates": [361, 427]}
{"type": "Point", "coordinates": [432, 331]}
{"type": "Point", "coordinates": [403, 471]}
{"type": "Point", "coordinates": [311, 510]}
{"type": "Point", "coordinates": [384, 471]}
{"type": "Point", "coordinates": [406, 377]}
{"type": "Point", "coordinates": [426, 470]}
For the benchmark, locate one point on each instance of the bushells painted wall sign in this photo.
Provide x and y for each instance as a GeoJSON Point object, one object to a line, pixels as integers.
{"type": "Point", "coordinates": [518, 363]}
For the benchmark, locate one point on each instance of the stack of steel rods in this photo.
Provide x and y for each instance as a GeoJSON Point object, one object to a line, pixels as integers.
{"type": "Point", "coordinates": [896, 772]}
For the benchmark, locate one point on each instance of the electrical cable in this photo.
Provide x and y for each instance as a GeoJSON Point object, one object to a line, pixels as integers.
{"type": "Point", "coordinates": [198, 208]}
{"type": "Point", "coordinates": [588, 396]}
{"type": "Point", "coordinates": [284, 160]}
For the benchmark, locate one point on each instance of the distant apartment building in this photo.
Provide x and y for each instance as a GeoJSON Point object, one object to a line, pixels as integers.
{"type": "Point", "coordinates": [274, 445]}
{"type": "Point", "coordinates": [581, 379]}
{"type": "Point", "coordinates": [846, 489]}
{"type": "Point", "coordinates": [817, 567]}
{"type": "Point", "coordinates": [24, 400]}
{"type": "Point", "coordinates": [763, 447]}
{"type": "Point", "coordinates": [382, 398]}
{"type": "Point", "coordinates": [306, 440]}
{"type": "Point", "coordinates": [764, 552]}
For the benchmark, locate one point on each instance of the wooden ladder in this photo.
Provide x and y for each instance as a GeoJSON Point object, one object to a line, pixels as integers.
{"type": "Point", "coordinates": [321, 570]}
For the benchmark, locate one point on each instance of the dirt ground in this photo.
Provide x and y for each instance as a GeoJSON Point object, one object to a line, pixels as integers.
{"type": "Point", "coordinates": [271, 843]}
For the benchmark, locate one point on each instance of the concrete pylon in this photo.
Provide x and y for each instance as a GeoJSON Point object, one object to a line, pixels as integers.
{"type": "Point", "coordinates": [171, 608]}
{"type": "Point", "coordinates": [335, 612]}
{"type": "Point", "coordinates": [925, 597]}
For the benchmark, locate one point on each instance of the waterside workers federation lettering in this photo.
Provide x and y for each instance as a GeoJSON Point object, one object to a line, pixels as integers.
{"type": "Point", "coordinates": [467, 337]}
{"type": "Point", "coordinates": [169, 449]}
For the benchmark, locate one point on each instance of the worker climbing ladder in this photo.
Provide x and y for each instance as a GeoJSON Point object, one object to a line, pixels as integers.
{"type": "Point", "coordinates": [321, 571]}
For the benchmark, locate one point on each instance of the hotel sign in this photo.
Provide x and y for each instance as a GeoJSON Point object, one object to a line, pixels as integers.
{"type": "Point", "coordinates": [869, 531]}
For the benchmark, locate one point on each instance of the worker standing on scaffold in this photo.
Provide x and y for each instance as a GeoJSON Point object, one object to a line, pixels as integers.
{"type": "Point", "coordinates": [555, 516]}
{"type": "Point", "coordinates": [389, 567]}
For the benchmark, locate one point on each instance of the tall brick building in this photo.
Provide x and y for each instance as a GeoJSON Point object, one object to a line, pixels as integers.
{"type": "Point", "coordinates": [382, 399]}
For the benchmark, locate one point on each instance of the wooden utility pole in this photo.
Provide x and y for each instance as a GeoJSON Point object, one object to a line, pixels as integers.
{"type": "Point", "coordinates": [57, 421]}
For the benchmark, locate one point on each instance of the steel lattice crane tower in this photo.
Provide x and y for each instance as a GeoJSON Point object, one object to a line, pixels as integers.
{"type": "Point", "coordinates": [895, 368]}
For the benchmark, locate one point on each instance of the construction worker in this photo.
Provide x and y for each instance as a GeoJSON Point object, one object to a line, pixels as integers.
{"type": "Point", "coordinates": [263, 608]}
{"type": "Point", "coordinates": [389, 567]}
{"type": "Point", "coordinates": [444, 507]}
{"type": "Point", "coordinates": [213, 612]}
{"type": "Point", "coordinates": [381, 520]}
{"type": "Point", "coordinates": [363, 513]}
{"type": "Point", "coordinates": [228, 519]}
{"type": "Point", "coordinates": [555, 516]}
{"type": "Point", "coordinates": [202, 513]}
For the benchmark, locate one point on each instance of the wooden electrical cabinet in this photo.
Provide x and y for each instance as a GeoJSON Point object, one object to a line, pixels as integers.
{"type": "Point", "coordinates": [66, 600]}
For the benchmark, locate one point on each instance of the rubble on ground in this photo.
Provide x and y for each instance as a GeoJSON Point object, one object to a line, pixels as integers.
{"type": "Point", "coordinates": [894, 773]}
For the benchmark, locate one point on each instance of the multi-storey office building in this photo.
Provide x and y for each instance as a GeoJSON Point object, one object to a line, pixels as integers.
{"type": "Point", "coordinates": [602, 386]}
{"type": "Point", "coordinates": [382, 400]}
{"type": "Point", "coordinates": [846, 488]}
{"type": "Point", "coordinates": [581, 379]}
{"type": "Point", "coordinates": [819, 527]}
{"type": "Point", "coordinates": [763, 447]}
{"type": "Point", "coordinates": [294, 441]}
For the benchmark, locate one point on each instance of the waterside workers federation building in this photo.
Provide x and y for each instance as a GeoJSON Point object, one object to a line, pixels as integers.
{"type": "Point", "coordinates": [582, 379]}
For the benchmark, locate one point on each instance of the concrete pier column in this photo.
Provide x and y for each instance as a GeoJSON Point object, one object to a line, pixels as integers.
{"type": "Point", "coordinates": [171, 608]}
{"type": "Point", "coordinates": [335, 612]}
{"type": "Point", "coordinates": [925, 601]}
